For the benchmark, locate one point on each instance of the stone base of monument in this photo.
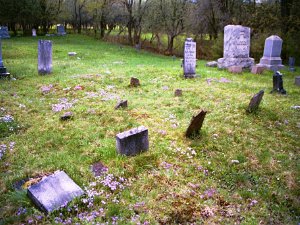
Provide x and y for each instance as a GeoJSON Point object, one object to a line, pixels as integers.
{"type": "Point", "coordinates": [191, 75]}
{"type": "Point", "coordinates": [224, 63]}
{"type": "Point", "coordinates": [271, 63]}
{"type": "Point", "coordinates": [4, 73]}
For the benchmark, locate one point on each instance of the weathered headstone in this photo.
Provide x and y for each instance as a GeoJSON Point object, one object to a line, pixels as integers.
{"type": "Point", "coordinates": [72, 53]}
{"type": "Point", "coordinates": [133, 141]}
{"type": "Point", "coordinates": [189, 59]}
{"type": "Point", "coordinates": [297, 80]}
{"type": "Point", "coordinates": [98, 169]}
{"type": "Point", "coordinates": [54, 191]}
{"type": "Point", "coordinates": [257, 69]}
{"type": "Point", "coordinates": [235, 69]}
{"type": "Point", "coordinates": [44, 56]}
{"type": "Point", "coordinates": [211, 64]}
{"type": "Point", "coordinates": [33, 32]}
{"type": "Point", "coordinates": [272, 51]}
{"type": "Point", "coordinates": [66, 116]}
{"type": "Point", "coordinates": [4, 32]}
{"type": "Point", "coordinates": [134, 82]}
{"type": "Point", "coordinates": [292, 64]}
{"type": "Point", "coordinates": [3, 71]}
{"type": "Point", "coordinates": [196, 124]}
{"type": "Point", "coordinates": [278, 83]}
{"type": "Point", "coordinates": [178, 92]}
{"type": "Point", "coordinates": [121, 104]}
{"type": "Point", "coordinates": [236, 47]}
{"type": "Point", "coordinates": [255, 101]}
{"type": "Point", "coordinates": [61, 30]}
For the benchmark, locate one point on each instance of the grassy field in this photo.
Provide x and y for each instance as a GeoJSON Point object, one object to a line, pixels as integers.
{"type": "Point", "coordinates": [242, 169]}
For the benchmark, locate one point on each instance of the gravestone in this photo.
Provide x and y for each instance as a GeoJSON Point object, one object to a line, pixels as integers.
{"type": "Point", "coordinates": [297, 80]}
{"type": "Point", "coordinates": [4, 32]}
{"type": "Point", "coordinates": [236, 47]}
{"type": "Point", "coordinates": [98, 169]}
{"type": "Point", "coordinates": [272, 51]}
{"type": "Point", "coordinates": [255, 101]}
{"type": "Point", "coordinates": [33, 32]}
{"type": "Point", "coordinates": [3, 71]}
{"type": "Point", "coordinates": [257, 69]}
{"type": "Point", "coordinates": [122, 104]}
{"type": "Point", "coordinates": [178, 92]}
{"type": "Point", "coordinates": [292, 64]}
{"type": "Point", "coordinates": [189, 59]}
{"type": "Point", "coordinates": [61, 30]}
{"type": "Point", "coordinates": [235, 69]}
{"type": "Point", "coordinates": [133, 141]}
{"type": "Point", "coordinates": [211, 64]}
{"type": "Point", "coordinates": [196, 124]}
{"type": "Point", "coordinates": [44, 56]}
{"type": "Point", "coordinates": [278, 83]}
{"type": "Point", "coordinates": [54, 191]}
{"type": "Point", "coordinates": [72, 53]}
{"type": "Point", "coordinates": [134, 82]}
{"type": "Point", "coordinates": [66, 116]}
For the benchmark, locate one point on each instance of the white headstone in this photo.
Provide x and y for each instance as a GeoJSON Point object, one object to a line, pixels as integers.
{"type": "Point", "coordinates": [44, 56]}
{"type": "Point", "coordinates": [189, 60]}
{"type": "Point", "coordinates": [33, 32]}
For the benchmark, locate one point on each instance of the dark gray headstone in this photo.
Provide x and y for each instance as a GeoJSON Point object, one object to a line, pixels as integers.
{"type": "Point", "coordinates": [134, 82]}
{"type": "Point", "coordinates": [297, 81]}
{"type": "Point", "coordinates": [211, 64]}
{"type": "Point", "coordinates": [3, 71]}
{"type": "Point", "coordinates": [132, 142]}
{"type": "Point", "coordinates": [61, 30]}
{"type": "Point", "coordinates": [4, 32]}
{"type": "Point", "coordinates": [54, 191]}
{"type": "Point", "coordinates": [122, 104]}
{"type": "Point", "coordinates": [189, 59]}
{"type": "Point", "coordinates": [257, 69]}
{"type": "Point", "coordinates": [178, 92]}
{"type": "Point", "coordinates": [255, 101]}
{"type": "Point", "coordinates": [236, 47]}
{"type": "Point", "coordinates": [44, 56]}
{"type": "Point", "coordinates": [196, 124]}
{"type": "Point", "coordinates": [272, 51]}
{"type": "Point", "coordinates": [292, 64]}
{"type": "Point", "coordinates": [235, 69]}
{"type": "Point", "coordinates": [278, 83]}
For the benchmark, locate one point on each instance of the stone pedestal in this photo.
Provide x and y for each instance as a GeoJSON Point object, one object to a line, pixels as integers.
{"type": "Point", "coordinates": [236, 47]}
{"type": "Point", "coordinates": [3, 71]}
{"type": "Point", "coordinates": [4, 32]}
{"type": "Point", "coordinates": [44, 57]}
{"type": "Point", "coordinates": [189, 59]}
{"type": "Point", "coordinates": [271, 58]}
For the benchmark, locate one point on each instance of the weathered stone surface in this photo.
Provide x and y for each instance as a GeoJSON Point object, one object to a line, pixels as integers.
{"type": "Point", "coordinates": [235, 69]}
{"type": "Point", "coordinates": [297, 81]}
{"type": "Point", "coordinates": [98, 169]}
{"type": "Point", "coordinates": [292, 61]}
{"type": "Point", "coordinates": [54, 191]}
{"type": "Point", "coordinates": [44, 56]}
{"type": "Point", "coordinates": [132, 142]}
{"type": "Point", "coordinates": [278, 83]}
{"type": "Point", "coordinates": [134, 82]}
{"type": "Point", "coordinates": [61, 30]}
{"type": "Point", "coordinates": [236, 47]}
{"type": "Point", "coordinates": [33, 32]}
{"type": "Point", "coordinates": [4, 32]}
{"type": "Point", "coordinates": [257, 69]}
{"type": "Point", "coordinates": [189, 59]}
{"type": "Point", "coordinates": [212, 64]}
{"type": "Point", "coordinates": [178, 92]}
{"type": "Point", "coordinates": [272, 51]}
{"type": "Point", "coordinates": [196, 124]}
{"type": "Point", "coordinates": [255, 101]}
{"type": "Point", "coordinates": [3, 71]}
{"type": "Point", "coordinates": [122, 104]}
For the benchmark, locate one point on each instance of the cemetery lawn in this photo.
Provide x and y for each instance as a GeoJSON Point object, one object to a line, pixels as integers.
{"type": "Point", "coordinates": [242, 169]}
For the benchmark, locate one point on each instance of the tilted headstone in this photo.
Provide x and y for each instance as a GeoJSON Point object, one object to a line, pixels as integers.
{"type": "Point", "coordinates": [33, 32]}
{"type": "Point", "coordinates": [236, 47]}
{"type": "Point", "coordinates": [189, 59]}
{"type": "Point", "coordinates": [3, 71]}
{"type": "Point", "coordinates": [134, 82]}
{"type": "Point", "coordinates": [272, 51]}
{"type": "Point", "coordinates": [297, 80]}
{"type": "Point", "coordinates": [196, 124]}
{"type": "Point", "coordinates": [122, 104]}
{"type": "Point", "coordinates": [133, 141]}
{"type": "Point", "coordinates": [4, 32]}
{"type": "Point", "coordinates": [44, 56]}
{"type": "Point", "coordinates": [257, 69]}
{"type": "Point", "coordinates": [255, 101]}
{"type": "Point", "coordinates": [278, 83]}
{"type": "Point", "coordinates": [292, 64]}
{"type": "Point", "coordinates": [54, 191]}
{"type": "Point", "coordinates": [61, 30]}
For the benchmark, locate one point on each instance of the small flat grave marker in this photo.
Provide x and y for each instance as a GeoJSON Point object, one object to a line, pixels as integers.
{"type": "Point", "coordinates": [212, 64]}
{"type": "Point", "coordinates": [255, 101]}
{"type": "Point", "coordinates": [257, 69]}
{"type": "Point", "coordinates": [178, 92]}
{"type": "Point", "coordinates": [235, 69]}
{"type": "Point", "coordinates": [196, 124]}
{"type": "Point", "coordinates": [54, 191]}
{"type": "Point", "coordinates": [72, 53]}
{"type": "Point", "coordinates": [134, 82]}
{"type": "Point", "coordinates": [132, 142]}
{"type": "Point", "coordinates": [98, 169]}
{"type": "Point", "coordinates": [122, 104]}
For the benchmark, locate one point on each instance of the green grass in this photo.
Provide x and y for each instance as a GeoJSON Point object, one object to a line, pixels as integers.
{"type": "Point", "coordinates": [167, 184]}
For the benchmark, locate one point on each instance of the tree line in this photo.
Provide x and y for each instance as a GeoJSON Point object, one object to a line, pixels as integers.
{"type": "Point", "coordinates": [204, 20]}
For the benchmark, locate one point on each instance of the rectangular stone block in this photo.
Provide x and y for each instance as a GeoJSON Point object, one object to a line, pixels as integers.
{"type": "Point", "coordinates": [54, 191]}
{"type": "Point", "coordinates": [4, 32]}
{"type": "Point", "coordinates": [257, 69]}
{"type": "Point", "coordinates": [44, 56]}
{"type": "Point", "coordinates": [61, 30]}
{"type": "Point", "coordinates": [235, 69]}
{"type": "Point", "coordinates": [189, 62]}
{"type": "Point", "coordinates": [132, 142]}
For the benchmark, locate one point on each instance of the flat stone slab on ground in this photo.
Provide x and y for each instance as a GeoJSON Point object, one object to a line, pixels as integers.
{"type": "Point", "coordinates": [212, 64]}
{"type": "Point", "coordinates": [98, 169]}
{"type": "Point", "coordinates": [235, 69]}
{"type": "Point", "coordinates": [54, 191]}
{"type": "Point", "coordinates": [255, 101]}
{"type": "Point", "coordinates": [196, 124]}
{"type": "Point", "coordinates": [297, 80]}
{"type": "Point", "coordinates": [72, 53]}
{"type": "Point", "coordinates": [132, 142]}
{"type": "Point", "coordinates": [257, 69]}
{"type": "Point", "coordinates": [178, 92]}
{"type": "Point", "coordinates": [134, 82]}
